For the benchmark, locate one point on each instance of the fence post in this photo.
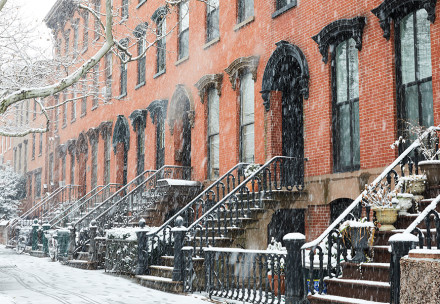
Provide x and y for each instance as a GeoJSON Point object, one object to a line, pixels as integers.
{"type": "Point", "coordinates": [35, 227]}
{"type": "Point", "coordinates": [294, 268]}
{"type": "Point", "coordinates": [401, 244]}
{"type": "Point", "coordinates": [71, 240]}
{"type": "Point", "coordinates": [142, 249]}
{"type": "Point", "coordinates": [179, 235]}
{"type": "Point", "coordinates": [92, 246]}
{"type": "Point", "coordinates": [45, 246]}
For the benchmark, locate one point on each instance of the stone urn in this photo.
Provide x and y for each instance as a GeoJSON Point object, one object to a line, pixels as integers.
{"type": "Point", "coordinates": [431, 168]}
{"type": "Point", "coordinates": [405, 202]}
{"type": "Point", "coordinates": [386, 217]}
{"type": "Point", "coordinates": [415, 184]}
{"type": "Point", "coordinates": [359, 239]}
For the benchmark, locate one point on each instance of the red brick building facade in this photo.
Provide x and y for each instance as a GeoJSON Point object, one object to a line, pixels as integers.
{"type": "Point", "coordinates": [245, 81]}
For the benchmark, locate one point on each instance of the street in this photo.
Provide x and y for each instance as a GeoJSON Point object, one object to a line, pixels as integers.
{"type": "Point", "coordinates": [29, 280]}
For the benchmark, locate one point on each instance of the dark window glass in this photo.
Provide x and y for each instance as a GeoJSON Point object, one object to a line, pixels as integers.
{"type": "Point", "coordinates": [183, 29]}
{"type": "Point", "coordinates": [95, 86]}
{"type": "Point", "coordinates": [247, 118]}
{"type": "Point", "coordinates": [97, 23]}
{"type": "Point", "coordinates": [94, 179]}
{"type": "Point", "coordinates": [283, 3]}
{"type": "Point", "coordinates": [141, 61]}
{"type": "Point", "coordinates": [75, 38]}
{"type": "Point", "coordinates": [64, 109]}
{"type": "Point", "coordinates": [67, 42]}
{"type": "Point", "coordinates": [33, 145]}
{"type": "Point", "coordinates": [86, 31]}
{"type": "Point", "coordinates": [72, 169]}
{"type": "Point", "coordinates": [415, 87]}
{"type": "Point", "coordinates": [124, 9]}
{"type": "Point", "coordinates": [346, 107]}
{"type": "Point", "coordinates": [84, 99]}
{"type": "Point", "coordinates": [107, 159]}
{"type": "Point", "coordinates": [37, 184]}
{"type": "Point", "coordinates": [40, 146]}
{"type": "Point", "coordinates": [212, 19]}
{"type": "Point", "coordinates": [245, 9]}
{"type": "Point", "coordinates": [213, 134]}
{"type": "Point", "coordinates": [161, 45]}
{"type": "Point", "coordinates": [108, 75]}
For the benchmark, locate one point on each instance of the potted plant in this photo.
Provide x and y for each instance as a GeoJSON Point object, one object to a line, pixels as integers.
{"type": "Point", "coordinates": [251, 169]}
{"type": "Point", "coordinates": [384, 202]}
{"type": "Point", "coordinates": [276, 268]}
{"type": "Point", "coordinates": [413, 184]}
{"type": "Point", "coordinates": [360, 233]}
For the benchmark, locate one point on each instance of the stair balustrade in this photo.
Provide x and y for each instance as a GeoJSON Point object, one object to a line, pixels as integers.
{"type": "Point", "coordinates": [323, 256]}
{"type": "Point", "coordinates": [81, 207]}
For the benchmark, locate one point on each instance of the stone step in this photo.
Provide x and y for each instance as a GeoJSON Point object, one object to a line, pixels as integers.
{"type": "Point", "coordinates": [169, 261]}
{"type": "Point", "coordinates": [82, 264]}
{"type": "Point", "coordinates": [161, 271]}
{"type": "Point", "coordinates": [366, 271]}
{"type": "Point", "coordinates": [359, 289]}
{"type": "Point", "coordinates": [159, 283]}
{"type": "Point", "coordinates": [381, 254]}
{"type": "Point", "coordinates": [382, 237]}
{"type": "Point", "coordinates": [330, 299]}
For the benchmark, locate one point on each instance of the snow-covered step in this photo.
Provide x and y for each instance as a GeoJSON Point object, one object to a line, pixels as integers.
{"type": "Point", "coordinates": [330, 299]}
{"type": "Point", "coordinates": [359, 289]}
{"type": "Point", "coordinates": [366, 271]}
{"type": "Point", "coordinates": [160, 283]}
{"type": "Point", "coordinates": [161, 271]}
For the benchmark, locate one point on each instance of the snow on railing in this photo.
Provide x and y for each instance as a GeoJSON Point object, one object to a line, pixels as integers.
{"type": "Point", "coordinates": [423, 215]}
{"type": "Point", "coordinates": [356, 202]}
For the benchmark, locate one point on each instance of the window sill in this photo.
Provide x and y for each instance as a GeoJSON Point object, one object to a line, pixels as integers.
{"type": "Point", "coordinates": [244, 23]}
{"type": "Point", "coordinates": [140, 4]}
{"type": "Point", "coordinates": [73, 120]}
{"type": "Point", "coordinates": [283, 9]}
{"type": "Point", "coordinates": [159, 73]}
{"type": "Point", "coordinates": [139, 85]}
{"type": "Point", "coordinates": [181, 60]}
{"type": "Point", "coordinates": [94, 108]}
{"type": "Point", "coordinates": [84, 50]}
{"type": "Point", "coordinates": [210, 43]}
{"type": "Point", "coordinates": [124, 19]}
{"type": "Point", "coordinates": [83, 114]}
{"type": "Point", "coordinates": [64, 126]}
{"type": "Point", "coordinates": [122, 96]}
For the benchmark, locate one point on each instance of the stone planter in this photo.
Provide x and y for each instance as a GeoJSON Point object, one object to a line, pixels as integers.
{"type": "Point", "coordinates": [432, 170]}
{"type": "Point", "coordinates": [405, 202]}
{"type": "Point", "coordinates": [359, 239]}
{"type": "Point", "coordinates": [415, 186]}
{"type": "Point", "coordinates": [386, 217]}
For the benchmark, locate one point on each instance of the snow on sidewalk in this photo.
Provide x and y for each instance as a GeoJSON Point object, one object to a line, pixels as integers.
{"type": "Point", "coordinates": [30, 280]}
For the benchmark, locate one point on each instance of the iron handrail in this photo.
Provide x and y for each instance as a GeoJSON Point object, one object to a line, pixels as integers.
{"type": "Point", "coordinates": [81, 202]}
{"type": "Point", "coordinates": [251, 177]}
{"type": "Point", "coordinates": [313, 244]}
{"type": "Point", "coordinates": [431, 207]}
{"type": "Point", "coordinates": [154, 175]}
{"type": "Point", "coordinates": [197, 198]}
{"type": "Point", "coordinates": [43, 201]}
{"type": "Point", "coordinates": [65, 196]}
{"type": "Point", "coordinates": [140, 176]}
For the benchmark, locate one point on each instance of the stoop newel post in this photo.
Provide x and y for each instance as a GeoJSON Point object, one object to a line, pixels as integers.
{"type": "Point", "coordinates": [72, 242]}
{"type": "Point", "coordinates": [92, 246]}
{"type": "Point", "coordinates": [179, 234]}
{"type": "Point", "coordinates": [401, 244]}
{"type": "Point", "coordinates": [142, 264]}
{"type": "Point", "coordinates": [46, 227]}
{"type": "Point", "coordinates": [35, 227]}
{"type": "Point", "coordinates": [294, 269]}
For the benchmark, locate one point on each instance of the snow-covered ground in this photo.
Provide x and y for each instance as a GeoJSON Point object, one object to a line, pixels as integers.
{"type": "Point", "coordinates": [30, 280]}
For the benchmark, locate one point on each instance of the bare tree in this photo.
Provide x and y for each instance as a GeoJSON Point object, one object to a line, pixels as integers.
{"type": "Point", "coordinates": [25, 75]}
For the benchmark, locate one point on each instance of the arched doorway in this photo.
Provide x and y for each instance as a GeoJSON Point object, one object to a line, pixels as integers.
{"type": "Point", "coordinates": [287, 72]}
{"type": "Point", "coordinates": [121, 145]}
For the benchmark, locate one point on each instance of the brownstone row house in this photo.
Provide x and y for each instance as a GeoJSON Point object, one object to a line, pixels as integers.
{"type": "Point", "coordinates": [327, 82]}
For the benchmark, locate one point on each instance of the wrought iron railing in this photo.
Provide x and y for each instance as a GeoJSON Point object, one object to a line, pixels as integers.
{"type": "Point", "coordinates": [83, 205]}
{"type": "Point", "coordinates": [322, 257]}
{"type": "Point", "coordinates": [251, 276]}
{"type": "Point", "coordinates": [138, 200]}
{"type": "Point", "coordinates": [160, 242]}
{"type": "Point", "coordinates": [66, 194]}
{"type": "Point", "coordinates": [85, 220]}
{"type": "Point", "coordinates": [279, 173]}
{"type": "Point", "coordinates": [121, 256]}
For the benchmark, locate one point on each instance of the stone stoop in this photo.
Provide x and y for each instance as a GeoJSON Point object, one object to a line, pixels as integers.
{"type": "Point", "coordinates": [160, 283]}
{"type": "Point", "coordinates": [368, 283]}
{"type": "Point", "coordinates": [37, 253]}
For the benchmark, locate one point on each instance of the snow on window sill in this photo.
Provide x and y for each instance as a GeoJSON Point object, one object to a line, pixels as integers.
{"type": "Point", "coordinates": [283, 9]}
{"type": "Point", "coordinates": [73, 120]}
{"type": "Point", "coordinates": [181, 60]}
{"type": "Point", "coordinates": [84, 50]}
{"type": "Point", "coordinates": [244, 23]}
{"type": "Point", "coordinates": [83, 114]}
{"type": "Point", "coordinates": [122, 96]}
{"type": "Point", "coordinates": [139, 85]}
{"type": "Point", "coordinates": [159, 73]}
{"type": "Point", "coordinates": [141, 3]}
{"type": "Point", "coordinates": [210, 43]}
{"type": "Point", "coordinates": [94, 107]}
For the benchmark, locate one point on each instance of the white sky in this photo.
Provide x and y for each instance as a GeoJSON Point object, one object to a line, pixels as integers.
{"type": "Point", "coordinates": [37, 9]}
